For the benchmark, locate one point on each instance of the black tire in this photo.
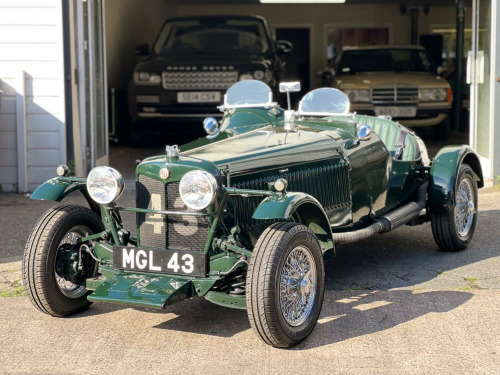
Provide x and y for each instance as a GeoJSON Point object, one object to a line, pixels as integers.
{"type": "Point", "coordinates": [443, 131]}
{"type": "Point", "coordinates": [265, 270]}
{"type": "Point", "coordinates": [62, 224]}
{"type": "Point", "coordinates": [445, 227]}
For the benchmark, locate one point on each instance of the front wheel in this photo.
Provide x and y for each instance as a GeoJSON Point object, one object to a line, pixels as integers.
{"type": "Point", "coordinates": [50, 260]}
{"type": "Point", "coordinates": [453, 231]}
{"type": "Point", "coordinates": [285, 284]}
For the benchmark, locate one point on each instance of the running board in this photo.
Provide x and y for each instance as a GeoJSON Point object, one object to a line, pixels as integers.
{"type": "Point", "coordinates": [143, 290]}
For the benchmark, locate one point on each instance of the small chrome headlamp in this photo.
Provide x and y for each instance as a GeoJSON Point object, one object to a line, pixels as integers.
{"type": "Point", "coordinates": [198, 189]}
{"type": "Point", "coordinates": [105, 184]}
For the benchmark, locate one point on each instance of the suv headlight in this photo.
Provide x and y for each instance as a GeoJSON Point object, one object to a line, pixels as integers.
{"type": "Point", "coordinates": [358, 96]}
{"type": "Point", "coordinates": [146, 78]}
{"type": "Point", "coordinates": [105, 184]}
{"type": "Point", "coordinates": [198, 189]}
{"type": "Point", "coordinates": [433, 95]}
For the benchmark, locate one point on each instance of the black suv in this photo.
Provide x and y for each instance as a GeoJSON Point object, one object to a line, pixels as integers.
{"type": "Point", "coordinates": [194, 60]}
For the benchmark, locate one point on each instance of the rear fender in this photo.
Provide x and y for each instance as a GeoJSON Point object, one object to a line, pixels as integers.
{"type": "Point", "coordinates": [56, 189]}
{"type": "Point", "coordinates": [444, 173]}
{"type": "Point", "coordinates": [301, 208]}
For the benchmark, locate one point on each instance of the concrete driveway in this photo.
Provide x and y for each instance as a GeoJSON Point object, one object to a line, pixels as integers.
{"type": "Point", "coordinates": [394, 304]}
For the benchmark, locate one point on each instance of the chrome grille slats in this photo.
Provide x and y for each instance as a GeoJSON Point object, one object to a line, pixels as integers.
{"type": "Point", "coordinates": [397, 93]}
{"type": "Point", "coordinates": [211, 80]}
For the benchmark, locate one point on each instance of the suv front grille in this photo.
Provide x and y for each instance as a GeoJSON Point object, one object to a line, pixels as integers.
{"type": "Point", "coordinates": [395, 94]}
{"type": "Point", "coordinates": [172, 232]}
{"type": "Point", "coordinates": [199, 80]}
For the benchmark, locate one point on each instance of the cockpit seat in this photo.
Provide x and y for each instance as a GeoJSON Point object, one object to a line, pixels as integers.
{"type": "Point", "coordinates": [389, 132]}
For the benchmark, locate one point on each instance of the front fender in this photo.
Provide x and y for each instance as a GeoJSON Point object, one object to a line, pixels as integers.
{"type": "Point", "coordinates": [56, 189]}
{"type": "Point", "coordinates": [444, 173]}
{"type": "Point", "coordinates": [302, 208]}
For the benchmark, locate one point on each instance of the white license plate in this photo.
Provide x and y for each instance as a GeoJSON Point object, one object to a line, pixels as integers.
{"type": "Point", "coordinates": [198, 97]}
{"type": "Point", "coordinates": [396, 111]}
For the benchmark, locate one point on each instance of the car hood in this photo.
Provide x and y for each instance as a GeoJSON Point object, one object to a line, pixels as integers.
{"type": "Point", "coordinates": [266, 148]}
{"type": "Point", "coordinates": [368, 80]}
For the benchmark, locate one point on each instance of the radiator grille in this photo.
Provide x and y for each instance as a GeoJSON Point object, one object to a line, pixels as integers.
{"type": "Point", "coordinates": [151, 194]}
{"type": "Point", "coordinates": [184, 232]}
{"type": "Point", "coordinates": [395, 94]}
{"type": "Point", "coordinates": [172, 232]}
{"type": "Point", "coordinates": [199, 80]}
{"type": "Point", "coordinates": [328, 184]}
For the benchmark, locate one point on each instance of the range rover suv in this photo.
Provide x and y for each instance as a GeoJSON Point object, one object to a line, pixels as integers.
{"type": "Point", "coordinates": [194, 60]}
{"type": "Point", "coordinates": [396, 81]}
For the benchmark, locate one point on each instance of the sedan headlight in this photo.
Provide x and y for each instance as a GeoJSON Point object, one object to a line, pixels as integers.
{"type": "Point", "coordinates": [198, 189]}
{"type": "Point", "coordinates": [433, 95]}
{"type": "Point", "coordinates": [105, 184]}
{"type": "Point", "coordinates": [358, 96]}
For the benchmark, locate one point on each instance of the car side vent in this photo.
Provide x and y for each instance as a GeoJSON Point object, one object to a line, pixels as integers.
{"type": "Point", "coordinates": [328, 184]}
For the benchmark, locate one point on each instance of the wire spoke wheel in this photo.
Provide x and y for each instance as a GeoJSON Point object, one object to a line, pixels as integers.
{"type": "Point", "coordinates": [465, 208]}
{"type": "Point", "coordinates": [297, 286]}
{"type": "Point", "coordinates": [68, 288]}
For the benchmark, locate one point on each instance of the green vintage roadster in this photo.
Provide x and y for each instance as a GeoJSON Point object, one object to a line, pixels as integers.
{"type": "Point", "coordinates": [246, 216]}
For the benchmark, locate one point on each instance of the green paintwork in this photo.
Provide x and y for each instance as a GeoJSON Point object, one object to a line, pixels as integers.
{"type": "Point", "coordinates": [444, 173]}
{"type": "Point", "coordinates": [227, 300]}
{"type": "Point", "coordinates": [147, 290]}
{"type": "Point", "coordinates": [282, 207]}
{"type": "Point", "coordinates": [57, 188]}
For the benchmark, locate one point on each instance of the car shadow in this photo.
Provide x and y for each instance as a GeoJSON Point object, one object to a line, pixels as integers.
{"type": "Point", "coordinates": [370, 286]}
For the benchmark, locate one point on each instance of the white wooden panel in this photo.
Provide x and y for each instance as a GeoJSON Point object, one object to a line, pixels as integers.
{"type": "Point", "coordinates": [43, 122]}
{"type": "Point", "coordinates": [35, 69]}
{"type": "Point", "coordinates": [29, 34]}
{"type": "Point", "coordinates": [38, 175]}
{"type": "Point", "coordinates": [8, 175]}
{"type": "Point", "coordinates": [8, 105]}
{"type": "Point", "coordinates": [8, 158]}
{"type": "Point", "coordinates": [34, 87]}
{"type": "Point", "coordinates": [43, 158]}
{"type": "Point", "coordinates": [9, 188]}
{"type": "Point", "coordinates": [8, 139]}
{"type": "Point", "coordinates": [43, 140]}
{"type": "Point", "coordinates": [28, 16]}
{"type": "Point", "coordinates": [29, 52]}
{"type": "Point", "coordinates": [44, 105]}
{"type": "Point", "coordinates": [28, 3]}
{"type": "Point", "coordinates": [7, 122]}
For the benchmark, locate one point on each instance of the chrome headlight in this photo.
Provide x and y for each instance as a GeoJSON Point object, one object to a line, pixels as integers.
{"type": "Point", "coordinates": [198, 189]}
{"type": "Point", "coordinates": [358, 96]}
{"type": "Point", "coordinates": [433, 95]}
{"type": "Point", "coordinates": [105, 184]}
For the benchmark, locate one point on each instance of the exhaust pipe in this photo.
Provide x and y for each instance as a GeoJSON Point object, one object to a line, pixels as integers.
{"type": "Point", "coordinates": [390, 221]}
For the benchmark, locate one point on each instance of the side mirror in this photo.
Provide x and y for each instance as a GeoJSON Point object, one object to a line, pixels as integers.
{"type": "Point", "coordinates": [142, 50]}
{"type": "Point", "coordinates": [283, 47]}
{"type": "Point", "coordinates": [211, 127]}
{"type": "Point", "coordinates": [440, 70]}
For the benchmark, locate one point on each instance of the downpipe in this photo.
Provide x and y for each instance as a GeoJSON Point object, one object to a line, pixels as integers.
{"type": "Point", "coordinates": [390, 221]}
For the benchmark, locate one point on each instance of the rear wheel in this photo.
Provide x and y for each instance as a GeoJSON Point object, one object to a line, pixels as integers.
{"type": "Point", "coordinates": [50, 275]}
{"type": "Point", "coordinates": [454, 230]}
{"type": "Point", "coordinates": [285, 284]}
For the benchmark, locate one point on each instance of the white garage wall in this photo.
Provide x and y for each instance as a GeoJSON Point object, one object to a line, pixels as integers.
{"type": "Point", "coordinates": [128, 24]}
{"type": "Point", "coordinates": [32, 114]}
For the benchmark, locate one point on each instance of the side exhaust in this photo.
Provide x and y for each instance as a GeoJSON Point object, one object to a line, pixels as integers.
{"type": "Point", "coordinates": [390, 221]}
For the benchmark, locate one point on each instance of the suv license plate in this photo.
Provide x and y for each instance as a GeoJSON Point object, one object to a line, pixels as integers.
{"type": "Point", "coordinates": [176, 262]}
{"type": "Point", "coordinates": [198, 97]}
{"type": "Point", "coordinates": [396, 111]}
